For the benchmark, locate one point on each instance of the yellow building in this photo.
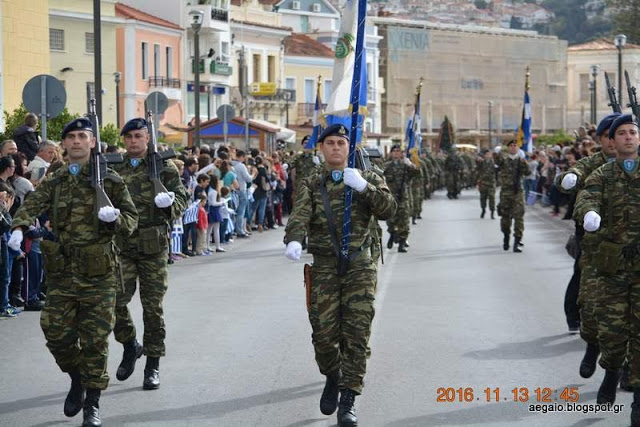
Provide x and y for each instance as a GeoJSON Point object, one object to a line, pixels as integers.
{"type": "Point", "coordinates": [25, 48]}
{"type": "Point", "coordinates": [71, 50]}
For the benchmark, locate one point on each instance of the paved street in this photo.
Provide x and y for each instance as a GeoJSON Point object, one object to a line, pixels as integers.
{"type": "Point", "coordinates": [456, 311]}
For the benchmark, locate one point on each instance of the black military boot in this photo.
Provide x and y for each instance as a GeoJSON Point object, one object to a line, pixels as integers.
{"type": "Point", "coordinates": [419, 216]}
{"type": "Point", "coordinates": [91, 409]}
{"type": "Point", "coordinates": [588, 364]}
{"type": "Point", "coordinates": [402, 246]}
{"type": "Point", "coordinates": [607, 390]}
{"type": "Point", "coordinates": [505, 242]}
{"type": "Point", "coordinates": [390, 241]}
{"type": "Point", "coordinates": [635, 409]}
{"type": "Point", "coordinates": [75, 397]}
{"type": "Point", "coordinates": [132, 352]}
{"type": "Point", "coordinates": [413, 220]}
{"type": "Point", "coordinates": [516, 245]}
{"type": "Point", "coordinates": [482, 214]}
{"type": "Point", "coordinates": [492, 217]}
{"type": "Point", "coordinates": [347, 409]}
{"type": "Point", "coordinates": [330, 394]}
{"type": "Point", "coordinates": [624, 377]}
{"type": "Point", "coordinates": [152, 374]}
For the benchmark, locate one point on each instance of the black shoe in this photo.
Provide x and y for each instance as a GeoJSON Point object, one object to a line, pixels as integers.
{"type": "Point", "coordinates": [516, 246]}
{"type": "Point", "coordinates": [482, 213]}
{"type": "Point", "coordinates": [152, 374]}
{"type": "Point", "coordinates": [635, 409]}
{"type": "Point", "coordinates": [75, 398]}
{"type": "Point", "coordinates": [419, 217]}
{"type": "Point", "coordinates": [390, 241]}
{"type": "Point", "coordinates": [16, 300]}
{"type": "Point", "coordinates": [492, 217]}
{"type": "Point", "coordinates": [36, 305]}
{"type": "Point", "coordinates": [402, 246]}
{"type": "Point", "coordinates": [505, 242]}
{"type": "Point", "coordinates": [588, 364]}
{"type": "Point", "coordinates": [413, 220]}
{"type": "Point", "coordinates": [347, 410]}
{"type": "Point", "coordinates": [132, 352]}
{"type": "Point", "coordinates": [91, 409]}
{"type": "Point", "coordinates": [607, 390]}
{"type": "Point", "coordinates": [42, 296]}
{"type": "Point", "coordinates": [520, 243]}
{"type": "Point", "coordinates": [624, 378]}
{"type": "Point", "coordinates": [330, 394]}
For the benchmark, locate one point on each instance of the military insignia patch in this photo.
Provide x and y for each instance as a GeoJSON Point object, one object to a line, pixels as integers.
{"type": "Point", "coordinates": [134, 162]}
{"type": "Point", "coordinates": [336, 175]}
{"type": "Point", "coordinates": [629, 164]}
{"type": "Point", "coordinates": [74, 169]}
{"type": "Point", "coordinates": [344, 46]}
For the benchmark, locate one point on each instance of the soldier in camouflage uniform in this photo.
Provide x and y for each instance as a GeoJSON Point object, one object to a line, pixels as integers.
{"type": "Point", "coordinates": [304, 164]}
{"type": "Point", "coordinates": [512, 169]}
{"type": "Point", "coordinates": [81, 267]}
{"type": "Point", "coordinates": [427, 179]}
{"type": "Point", "coordinates": [341, 304]}
{"type": "Point", "coordinates": [610, 203]}
{"type": "Point", "coordinates": [453, 169]}
{"type": "Point", "coordinates": [398, 171]}
{"type": "Point", "coordinates": [487, 182]}
{"type": "Point", "coordinates": [579, 300]}
{"type": "Point", "coordinates": [417, 195]}
{"type": "Point", "coordinates": [145, 253]}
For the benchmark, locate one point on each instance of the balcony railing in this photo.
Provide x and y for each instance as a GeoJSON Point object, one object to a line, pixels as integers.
{"type": "Point", "coordinates": [306, 110]}
{"type": "Point", "coordinates": [219, 15]}
{"type": "Point", "coordinates": [158, 81]}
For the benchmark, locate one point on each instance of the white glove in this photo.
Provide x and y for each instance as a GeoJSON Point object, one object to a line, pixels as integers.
{"type": "Point", "coordinates": [591, 221]}
{"type": "Point", "coordinates": [108, 214]}
{"type": "Point", "coordinates": [569, 181]}
{"type": "Point", "coordinates": [164, 200]}
{"type": "Point", "coordinates": [316, 160]}
{"type": "Point", "coordinates": [15, 240]}
{"type": "Point", "coordinates": [293, 251]}
{"type": "Point", "coordinates": [353, 179]}
{"type": "Point", "coordinates": [407, 161]}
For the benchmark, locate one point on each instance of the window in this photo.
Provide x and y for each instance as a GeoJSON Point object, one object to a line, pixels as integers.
{"type": "Point", "coordinates": [88, 43]}
{"type": "Point", "coordinates": [169, 61]}
{"type": "Point", "coordinates": [304, 24]}
{"type": "Point", "coordinates": [271, 62]}
{"type": "Point", "coordinates": [224, 56]}
{"type": "Point", "coordinates": [145, 61]}
{"type": "Point", "coordinates": [585, 93]}
{"type": "Point", "coordinates": [156, 59]}
{"type": "Point", "coordinates": [256, 68]}
{"type": "Point", "coordinates": [327, 91]}
{"type": "Point", "coordinates": [309, 91]}
{"type": "Point", "coordinates": [290, 83]}
{"type": "Point", "coordinates": [56, 39]}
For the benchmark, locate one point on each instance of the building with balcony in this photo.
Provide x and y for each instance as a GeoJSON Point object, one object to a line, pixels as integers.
{"type": "Point", "coordinates": [24, 49]}
{"type": "Point", "coordinates": [71, 53]}
{"type": "Point", "coordinates": [149, 60]}
{"type": "Point", "coordinates": [309, 16]}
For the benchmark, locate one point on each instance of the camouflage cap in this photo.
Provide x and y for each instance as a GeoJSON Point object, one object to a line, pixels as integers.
{"type": "Point", "coordinates": [134, 124]}
{"type": "Point", "coordinates": [81, 123]}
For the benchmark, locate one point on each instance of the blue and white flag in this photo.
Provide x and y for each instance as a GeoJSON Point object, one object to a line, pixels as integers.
{"type": "Point", "coordinates": [318, 122]}
{"type": "Point", "coordinates": [524, 131]}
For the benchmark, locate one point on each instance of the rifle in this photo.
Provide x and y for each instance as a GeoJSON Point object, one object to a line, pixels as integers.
{"type": "Point", "coordinates": [633, 99]}
{"type": "Point", "coordinates": [99, 161]}
{"type": "Point", "coordinates": [157, 160]}
{"type": "Point", "coordinates": [613, 100]}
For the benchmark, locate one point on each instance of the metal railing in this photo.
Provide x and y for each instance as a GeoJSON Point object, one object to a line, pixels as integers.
{"type": "Point", "coordinates": [158, 81]}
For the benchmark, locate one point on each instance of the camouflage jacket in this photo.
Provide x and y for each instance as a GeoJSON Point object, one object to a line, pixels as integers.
{"type": "Point", "coordinates": [512, 172]}
{"type": "Point", "coordinates": [309, 213]}
{"type": "Point", "coordinates": [486, 173]}
{"type": "Point", "coordinates": [583, 168]}
{"type": "Point", "coordinates": [142, 193]}
{"type": "Point", "coordinates": [615, 195]}
{"type": "Point", "coordinates": [73, 216]}
{"type": "Point", "coordinates": [453, 163]}
{"type": "Point", "coordinates": [304, 166]}
{"type": "Point", "coordinates": [396, 174]}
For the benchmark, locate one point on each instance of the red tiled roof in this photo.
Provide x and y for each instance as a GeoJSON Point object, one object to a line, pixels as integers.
{"type": "Point", "coordinates": [302, 45]}
{"type": "Point", "coordinates": [258, 24]}
{"type": "Point", "coordinates": [600, 44]}
{"type": "Point", "coordinates": [129, 12]}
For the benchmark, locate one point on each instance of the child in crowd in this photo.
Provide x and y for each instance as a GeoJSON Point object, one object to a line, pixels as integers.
{"type": "Point", "coordinates": [226, 231]}
{"type": "Point", "coordinates": [202, 225]}
{"type": "Point", "coordinates": [215, 217]}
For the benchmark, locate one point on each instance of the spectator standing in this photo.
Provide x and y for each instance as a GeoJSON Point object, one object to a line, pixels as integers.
{"type": "Point", "coordinates": [26, 138]}
{"type": "Point", "coordinates": [244, 180]}
{"type": "Point", "coordinates": [214, 216]}
{"type": "Point", "coordinates": [260, 194]}
{"type": "Point", "coordinates": [41, 162]}
{"type": "Point", "coordinates": [201, 225]}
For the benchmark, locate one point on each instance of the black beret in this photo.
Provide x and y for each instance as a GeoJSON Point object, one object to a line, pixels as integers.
{"type": "Point", "coordinates": [621, 120]}
{"type": "Point", "coordinates": [335, 130]}
{"type": "Point", "coordinates": [81, 123]}
{"type": "Point", "coordinates": [134, 124]}
{"type": "Point", "coordinates": [395, 147]}
{"type": "Point", "coordinates": [305, 139]}
{"type": "Point", "coordinates": [605, 124]}
{"type": "Point", "coordinates": [513, 141]}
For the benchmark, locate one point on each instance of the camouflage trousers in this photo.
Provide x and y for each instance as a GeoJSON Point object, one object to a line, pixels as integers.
{"type": "Point", "coordinates": [512, 209]}
{"type": "Point", "coordinates": [617, 310]}
{"type": "Point", "coordinates": [77, 320]}
{"type": "Point", "coordinates": [417, 198]}
{"type": "Point", "coordinates": [151, 270]}
{"type": "Point", "coordinates": [488, 193]}
{"type": "Point", "coordinates": [453, 185]}
{"type": "Point", "coordinates": [341, 312]}
{"type": "Point", "coordinates": [398, 225]}
{"type": "Point", "coordinates": [587, 299]}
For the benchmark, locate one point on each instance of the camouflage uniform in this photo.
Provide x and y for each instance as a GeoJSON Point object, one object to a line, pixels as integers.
{"type": "Point", "coordinates": [487, 184]}
{"type": "Point", "coordinates": [427, 178]}
{"type": "Point", "coordinates": [417, 196]}
{"type": "Point", "coordinates": [395, 172]}
{"type": "Point", "coordinates": [341, 308]}
{"type": "Point", "coordinates": [80, 268]}
{"type": "Point", "coordinates": [511, 205]}
{"type": "Point", "coordinates": [304, 167]}
{"type": "Point", "coordinates": [144, 254]}
{"type": "Point", "coordinates": [613, 194]}
{"type": "Point", "coordinates": [453, 169]}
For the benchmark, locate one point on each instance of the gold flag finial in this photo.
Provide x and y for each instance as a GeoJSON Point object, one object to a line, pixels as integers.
{"type": "Point", "coordinates": [526, 81]}
{"type": "Point", "coordinates": [419, 88]}
{"type": "Point", "coordinates": [319, 80]}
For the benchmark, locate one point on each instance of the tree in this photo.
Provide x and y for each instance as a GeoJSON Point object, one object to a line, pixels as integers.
{"type": "Point", "coordinates": [626, 16]}
{"type": "Point", "coordinates": [480, 4]}
{"type": "Point", "coordinates": [446, 138]}
{"type": "Point", "coordinates": [110, 134]}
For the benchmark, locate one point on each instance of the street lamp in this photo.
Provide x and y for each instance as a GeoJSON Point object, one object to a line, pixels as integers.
{"type": "Point", "coordinates": [490, 103]}
{"type": "Point", "coordinates": [287, 98]}
{"type": "Point", "coordinates": [196, 23]}
{"type": "Point", "coordinates": [116, 77]}
{"type": "Point", "coordinates": [619, 41]}
{"type": "Point", "coordinates": [594, 97]}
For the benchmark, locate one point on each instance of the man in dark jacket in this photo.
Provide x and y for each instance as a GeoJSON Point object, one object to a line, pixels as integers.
{"type": "Point", "coordinates": [26, 137]}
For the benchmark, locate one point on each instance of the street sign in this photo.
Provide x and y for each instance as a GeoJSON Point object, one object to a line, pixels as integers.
{"type": "Point", "coordinates": [225, 113]}
{"type": "Point", "coordinates": [263, 89]}
{"type": "Point", "coordinates": [157, 102]}
{"type": "Point", "coordinates": [44, 95]}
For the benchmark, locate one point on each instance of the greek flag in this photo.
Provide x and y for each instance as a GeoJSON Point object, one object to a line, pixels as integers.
{"type": "Point", "coordinates": [318, 120]}
{"type": "Point", "coordinates": [524, 131]}
{"type": "Point", "coordinates": [191, 213]}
